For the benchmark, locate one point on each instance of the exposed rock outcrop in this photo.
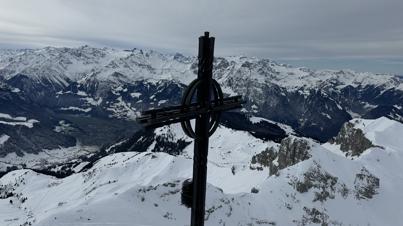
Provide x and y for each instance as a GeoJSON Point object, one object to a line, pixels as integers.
{"type": "Point", "coordinates": [352, 140]}
{"type": "Point", "coordinates": [292, 150]}
{"type": "Point", "coordinates": [265, 158]}
{"type": "Point", "coordinates": [326, 185]}
{"type": "Point", "coordinates": [366, 184]}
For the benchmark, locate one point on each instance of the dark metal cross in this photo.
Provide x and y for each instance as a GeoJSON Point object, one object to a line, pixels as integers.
{"type": "Point", "coordinates": [203, 100]}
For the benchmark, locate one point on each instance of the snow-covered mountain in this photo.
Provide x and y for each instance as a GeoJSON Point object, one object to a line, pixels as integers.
{"type": "Point", "coordinates": [67, 123]}
{"type": "Point", "coordinates": [250, 182]}
{"type": "Point", "coordinates": [85, 99]}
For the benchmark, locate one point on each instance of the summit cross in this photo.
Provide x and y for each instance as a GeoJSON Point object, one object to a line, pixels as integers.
{"type": "Point", "coordinates": [203, 100]}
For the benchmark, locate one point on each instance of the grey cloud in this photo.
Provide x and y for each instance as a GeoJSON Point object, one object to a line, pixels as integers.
{"type": "Point", "coordinates": [282, 29]}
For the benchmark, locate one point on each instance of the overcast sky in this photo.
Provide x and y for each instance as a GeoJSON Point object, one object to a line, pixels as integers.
{"type": "Point", "coordinates": [365, 35]}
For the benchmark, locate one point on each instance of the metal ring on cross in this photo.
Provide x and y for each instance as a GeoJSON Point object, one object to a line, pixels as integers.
{"type": "Point", "coordinates": [187, 98]}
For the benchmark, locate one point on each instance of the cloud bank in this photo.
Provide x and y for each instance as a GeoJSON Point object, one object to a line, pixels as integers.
{"type": "Point", "coordinates": [290, 30]}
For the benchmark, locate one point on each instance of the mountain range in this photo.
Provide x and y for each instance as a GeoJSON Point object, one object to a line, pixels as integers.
{"type": "Point", "coordinates": [107, 88]}
{"type": "Point", "coordinates": [308, 147]}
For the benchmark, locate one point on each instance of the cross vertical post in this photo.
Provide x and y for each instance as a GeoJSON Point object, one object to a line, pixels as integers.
{"type": "Point", "coordinates": [205, 56]}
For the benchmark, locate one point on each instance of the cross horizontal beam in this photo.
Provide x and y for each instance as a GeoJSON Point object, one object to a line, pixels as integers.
{"type": "Point", "coordinates": [165, 116]}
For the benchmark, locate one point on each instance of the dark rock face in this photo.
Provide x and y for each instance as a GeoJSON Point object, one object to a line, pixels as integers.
{"type": "Point", "coordinates": [262, 130]}
{"type": "Point", "coordinates": [306, 112]}
{"type": "Point", "coordinates": [366, 184]}
{"type": "Point", "coordinates": [148, 140]}
{"type": "Point", "coordinates": [314, 216]}
{"type": "Point", "coordinates": [324, 185]}
{"type": "Point", "coordinates": [310, 112]}
{"type": "Point", "coordinates": [40, 92]}
{"type": "Point", "coordinates": [371, 101]}
{"type": "Point", "coordinates": [265, 158]}
{"type": "Point", "coordinates": [352, 140]}
{"type": "Point", "coordinates": [292, 150]}
{"type": "Point", "coordinates": [391, 112]}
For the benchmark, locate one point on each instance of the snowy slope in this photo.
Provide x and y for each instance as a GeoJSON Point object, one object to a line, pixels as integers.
{"type": "Point", "coordinates": [149, 169]}
{"type": "Point", "coordinates": [144, 188]}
